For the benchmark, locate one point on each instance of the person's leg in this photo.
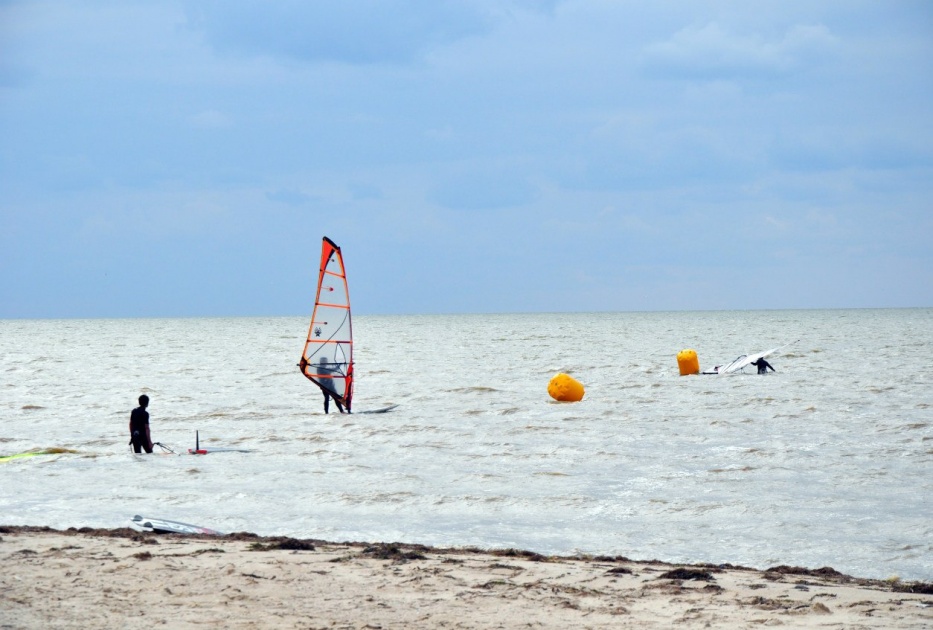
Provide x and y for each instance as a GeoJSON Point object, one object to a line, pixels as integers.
{"type": "Point", "coordinates": [326, 402]}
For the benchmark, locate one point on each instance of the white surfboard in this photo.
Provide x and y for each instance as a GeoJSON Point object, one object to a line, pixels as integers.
{"type": "Point", "coordinates": [162, 526]}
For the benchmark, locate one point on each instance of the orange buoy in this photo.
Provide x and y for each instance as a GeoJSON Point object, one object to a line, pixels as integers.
{"type": "Point", "coordinates": [565, 388]}
{"type": "Point", "coordinates": [688, 362]}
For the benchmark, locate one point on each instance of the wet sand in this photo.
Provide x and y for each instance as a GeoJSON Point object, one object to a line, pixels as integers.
{"type": "Point", "coordinates": [91, 578]}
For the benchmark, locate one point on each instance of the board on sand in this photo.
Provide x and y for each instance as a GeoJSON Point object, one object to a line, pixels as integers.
{"type": "Point", "coordinates": [383, 410]}
{"type": "Point", "coordinates": [162, 526]}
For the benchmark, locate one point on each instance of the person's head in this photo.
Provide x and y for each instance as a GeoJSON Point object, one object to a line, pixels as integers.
{"type": "Point", "coordinates": [323, 360]}
{"type": "Point", "coordinates": [144, 401]}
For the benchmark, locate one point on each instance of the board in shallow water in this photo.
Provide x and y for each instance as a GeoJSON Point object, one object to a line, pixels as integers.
{"type": "Point", "coordinates": [163, 526]}
{"type": "Point", "coordinates": [382, 410]}
{"type": "Point", "coordinates": [197, 450]}
{"type": "Point", "coordinates": [47, 451]}
{"type": "Point", "coordinates": [206, 450]}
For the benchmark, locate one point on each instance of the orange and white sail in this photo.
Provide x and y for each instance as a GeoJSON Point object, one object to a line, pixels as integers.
{"type": "Point", "coordinates": [327, 359]}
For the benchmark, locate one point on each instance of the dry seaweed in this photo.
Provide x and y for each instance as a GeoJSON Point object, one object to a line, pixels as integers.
{"type": "Point", "coordinates": [283, 542]}
{"type": "Point", "coordinates": [393, 551]}
{"type": "Point", "coordinates": [924, 588]}
{"type": "Point", "coordinates": [518, 553]}
{"type": "Point", "coordinates": [687, 574]}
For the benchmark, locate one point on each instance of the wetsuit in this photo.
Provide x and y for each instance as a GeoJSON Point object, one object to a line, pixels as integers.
{"type": "Point", "coordinates": [762, 365]}
{"type": "Point", "coordinates": [139, 434]}
{"type": "Point", "coordinates": [327, 386]}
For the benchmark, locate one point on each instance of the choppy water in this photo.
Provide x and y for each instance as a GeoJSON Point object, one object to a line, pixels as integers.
{"type": "Point", "coordinates": [826, 462]}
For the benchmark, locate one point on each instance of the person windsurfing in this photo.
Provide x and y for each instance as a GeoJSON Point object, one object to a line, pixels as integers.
{"type": "Point", "coordinates": [327, 384]}
{"type": "Point", "coordinates": [139, 427]}
{"type": "Point", "coordinates": [763, 366]}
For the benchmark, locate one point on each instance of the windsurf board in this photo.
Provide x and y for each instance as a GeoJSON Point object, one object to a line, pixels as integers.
{"type": "Point", "coordinates": [47, 451]}
{"type": "Point", "coordinates": [197, 450]}
{"type": "Point", "coordinates": [205, 451]}
{"type": "Point", "coordinates": [382, 410]}
{"type": "Point", "coordinates": [163, 526]}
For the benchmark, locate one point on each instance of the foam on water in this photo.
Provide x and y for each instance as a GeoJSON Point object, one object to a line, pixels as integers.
{"type": "Point", "coordinates": [826, 462]}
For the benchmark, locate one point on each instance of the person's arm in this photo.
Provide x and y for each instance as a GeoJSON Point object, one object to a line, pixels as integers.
{"type": "Point", "coordinates": [148, 437]}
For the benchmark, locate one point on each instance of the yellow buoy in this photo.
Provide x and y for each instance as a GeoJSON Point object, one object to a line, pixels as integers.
{"type": "Point", "coordinates": [688, 362]}
{"type": "Point", "coordinates": [565, 388]}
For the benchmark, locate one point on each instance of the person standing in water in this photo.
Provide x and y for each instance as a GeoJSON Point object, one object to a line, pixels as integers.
{"type": "Point", "coordinates": [139, 427]}
{"type": "Point", "coordinates": [763, 366]}
{"type": "Point", "coordinates": [327, 384]}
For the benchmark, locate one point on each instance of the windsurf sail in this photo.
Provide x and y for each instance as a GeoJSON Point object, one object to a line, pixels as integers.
{"type": "Point", "coordinates": [327, 359]}
{"type": "Point", "coordinates": [744, 361]}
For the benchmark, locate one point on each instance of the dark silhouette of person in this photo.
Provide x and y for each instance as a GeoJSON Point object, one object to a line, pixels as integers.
{"type": "Point", "coordinates": [327, 384]}
{"type": "Point", "coordinates": [763, 366]}
{"type": "Point", "coordinates": [139, 427]}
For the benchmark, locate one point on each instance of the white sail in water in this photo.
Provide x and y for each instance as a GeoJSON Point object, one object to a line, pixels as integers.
{"type": "Point", "coordinates": [327, 359]}
{"type": "Point", "coordinates": [744, 361]}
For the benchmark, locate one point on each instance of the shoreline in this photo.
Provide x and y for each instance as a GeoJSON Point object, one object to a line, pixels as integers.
{"type": "Point", "coordinates": [109, 578]}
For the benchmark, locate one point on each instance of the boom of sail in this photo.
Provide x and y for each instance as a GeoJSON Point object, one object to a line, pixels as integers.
{"type": "Point", "coordinates": [327, 359]}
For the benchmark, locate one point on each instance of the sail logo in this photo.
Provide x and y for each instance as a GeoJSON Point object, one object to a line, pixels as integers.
{"type": "Point", "coordinates": [317, 331]}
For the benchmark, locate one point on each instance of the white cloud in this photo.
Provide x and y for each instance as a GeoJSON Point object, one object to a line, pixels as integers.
{"type": "Point", "coordinates": [349, 31]}
{"type": "Point", "coordinates": [711, 51]}
{"type": "Point", "coordinates": [260, 125]}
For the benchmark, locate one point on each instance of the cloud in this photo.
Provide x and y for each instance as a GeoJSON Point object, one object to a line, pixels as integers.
{"type": "Point", "coordinates": [711, 52]}
{"type": "Point", "coordinates": [229, 136]}
{"type": "Point", "coordinates": [349, 31]}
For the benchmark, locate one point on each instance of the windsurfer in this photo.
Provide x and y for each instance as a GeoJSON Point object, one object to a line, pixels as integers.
{"type": "Point", "coordinates": [139, 427]}
{"type": "Point", "coordinates": [327, 384]}
{"type": "Point", "coordinates": [763, 366]}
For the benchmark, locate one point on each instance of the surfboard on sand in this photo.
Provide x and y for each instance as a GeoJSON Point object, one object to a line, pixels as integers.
{"type": "Point", "coordinates": [163, 526]}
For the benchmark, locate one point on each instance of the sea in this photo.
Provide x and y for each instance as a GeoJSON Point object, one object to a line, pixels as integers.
{"type": "Point", "coordinates": [828, 461]}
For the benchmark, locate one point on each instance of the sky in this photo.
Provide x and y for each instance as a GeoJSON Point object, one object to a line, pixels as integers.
{"type": "Point", "coordinates": [171, 158]}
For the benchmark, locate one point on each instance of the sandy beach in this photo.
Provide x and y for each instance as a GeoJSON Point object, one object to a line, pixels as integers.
{"type": "Point", "coordinates": [92, 578]}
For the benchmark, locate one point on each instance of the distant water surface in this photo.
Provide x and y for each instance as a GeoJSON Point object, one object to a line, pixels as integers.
{"type": "Point", "coordinates": [827, 462]}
